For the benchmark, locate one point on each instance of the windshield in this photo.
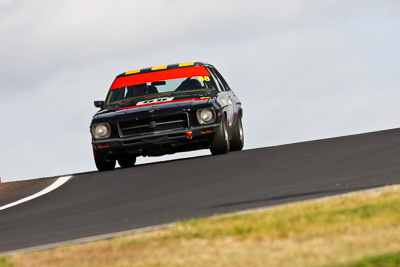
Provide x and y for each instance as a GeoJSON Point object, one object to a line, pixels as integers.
{"type": "Point", "coordinates": [185, 81]}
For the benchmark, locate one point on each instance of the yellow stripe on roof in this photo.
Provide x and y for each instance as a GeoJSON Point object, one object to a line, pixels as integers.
{"type": "Point", "coordinates": [163, 67]}
{"type": "Point", "coordinates": [186, 64]}
{"type": "Point", "coordinates": [132, 72]}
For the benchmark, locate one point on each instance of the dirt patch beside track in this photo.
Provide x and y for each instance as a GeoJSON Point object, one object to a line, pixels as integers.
{"type": "Point", "coordinates": [13, 191]}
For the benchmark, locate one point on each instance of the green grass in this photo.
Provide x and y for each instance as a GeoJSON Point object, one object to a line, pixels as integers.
{"type": "Point", "coordinates": [5, 262]}
{"type": "Point", "coordinates": [388, 260]}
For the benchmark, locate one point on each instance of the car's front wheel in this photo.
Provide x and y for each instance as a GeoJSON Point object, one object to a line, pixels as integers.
{"type": "Point", "coordinates": [220, 144]}
{"type": "Point", "coordinates": [127, 163]}
{"type": "Point", "coordinates": [101, 163]}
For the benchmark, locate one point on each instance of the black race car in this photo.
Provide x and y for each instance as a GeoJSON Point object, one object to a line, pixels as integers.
{"type": "Point", "coordinates": [164, 110]}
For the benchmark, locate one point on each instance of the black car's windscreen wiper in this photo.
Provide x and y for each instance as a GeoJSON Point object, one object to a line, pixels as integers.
{"type": "Point", "coordinates": [192, 92]}
{"type": "Point", "coordinates": [129, 100]}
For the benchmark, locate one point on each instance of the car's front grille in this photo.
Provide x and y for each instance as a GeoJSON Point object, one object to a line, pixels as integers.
{"type": "Point", "coordinates": [145, 126]}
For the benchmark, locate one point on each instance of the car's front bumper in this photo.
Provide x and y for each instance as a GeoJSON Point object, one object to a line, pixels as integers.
{"type": "Point", "coordinates": [150, 144]}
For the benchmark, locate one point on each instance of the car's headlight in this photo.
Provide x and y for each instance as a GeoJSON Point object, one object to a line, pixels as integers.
{"type": "Point", "coordinates": [101, 131]}
{"type": "Point", "coordinates": [205, 116]}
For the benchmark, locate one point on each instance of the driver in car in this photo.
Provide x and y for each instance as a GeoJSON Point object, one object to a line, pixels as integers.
{"type": "Point", "coordinates": [136, 90]}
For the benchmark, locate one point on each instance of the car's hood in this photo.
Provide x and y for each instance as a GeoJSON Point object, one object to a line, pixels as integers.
{"type": "Point", "coordinates": [154, 108]}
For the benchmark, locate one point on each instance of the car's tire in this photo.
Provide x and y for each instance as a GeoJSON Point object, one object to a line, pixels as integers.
{"type": "Point", "coordinates": [237, 141]}
{"type": "Point", "coordinates": [127, 163]}
{"type": "Point", "coordinates": [101, 163]}
{"type": "Point", "coordinates": [220, 144]}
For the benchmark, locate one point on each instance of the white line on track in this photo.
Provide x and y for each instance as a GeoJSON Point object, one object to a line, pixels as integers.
{"type": "Point", "coordinates": [60, 181]}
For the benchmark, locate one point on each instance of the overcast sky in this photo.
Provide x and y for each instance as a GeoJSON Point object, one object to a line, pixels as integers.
{"type": "Point", "coordinates": [304, 70]}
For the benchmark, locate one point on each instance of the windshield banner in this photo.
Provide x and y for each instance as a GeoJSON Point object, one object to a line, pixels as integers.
{"type": "Point", "coordinates": [159, 76]}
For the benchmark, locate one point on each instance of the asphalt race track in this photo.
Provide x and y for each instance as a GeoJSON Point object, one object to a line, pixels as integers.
{"type": "Point", "coordinates": [98, 203]}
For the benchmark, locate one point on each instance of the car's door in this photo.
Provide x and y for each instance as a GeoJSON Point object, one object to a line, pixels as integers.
{"type": "Point", "coordinates": [232, 99]}
{"type": "Point", "coordinates": [223, 96]}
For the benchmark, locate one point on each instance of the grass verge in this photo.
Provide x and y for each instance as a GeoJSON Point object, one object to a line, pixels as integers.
{"type": "Point", "coordinates": [389, 260]}
{"type": "Point", "coordinates": [362, 229]}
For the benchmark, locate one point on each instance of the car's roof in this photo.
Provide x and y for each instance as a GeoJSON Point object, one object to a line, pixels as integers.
{"type": "Point", "coordinates": [163, 67]}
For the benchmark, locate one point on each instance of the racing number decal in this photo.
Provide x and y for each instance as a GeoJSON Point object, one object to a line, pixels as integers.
{"type": "Point", "coordinates": [204, 78]}
{"type": "Point", "coordinates": [152, 101]}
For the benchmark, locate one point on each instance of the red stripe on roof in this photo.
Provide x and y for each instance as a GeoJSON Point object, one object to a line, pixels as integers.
{"type": "Point", "coordinates": [159, 76]}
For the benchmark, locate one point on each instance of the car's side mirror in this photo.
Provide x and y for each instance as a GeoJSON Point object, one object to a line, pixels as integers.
{"type": "Point", "coordinates": [99, 104]}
